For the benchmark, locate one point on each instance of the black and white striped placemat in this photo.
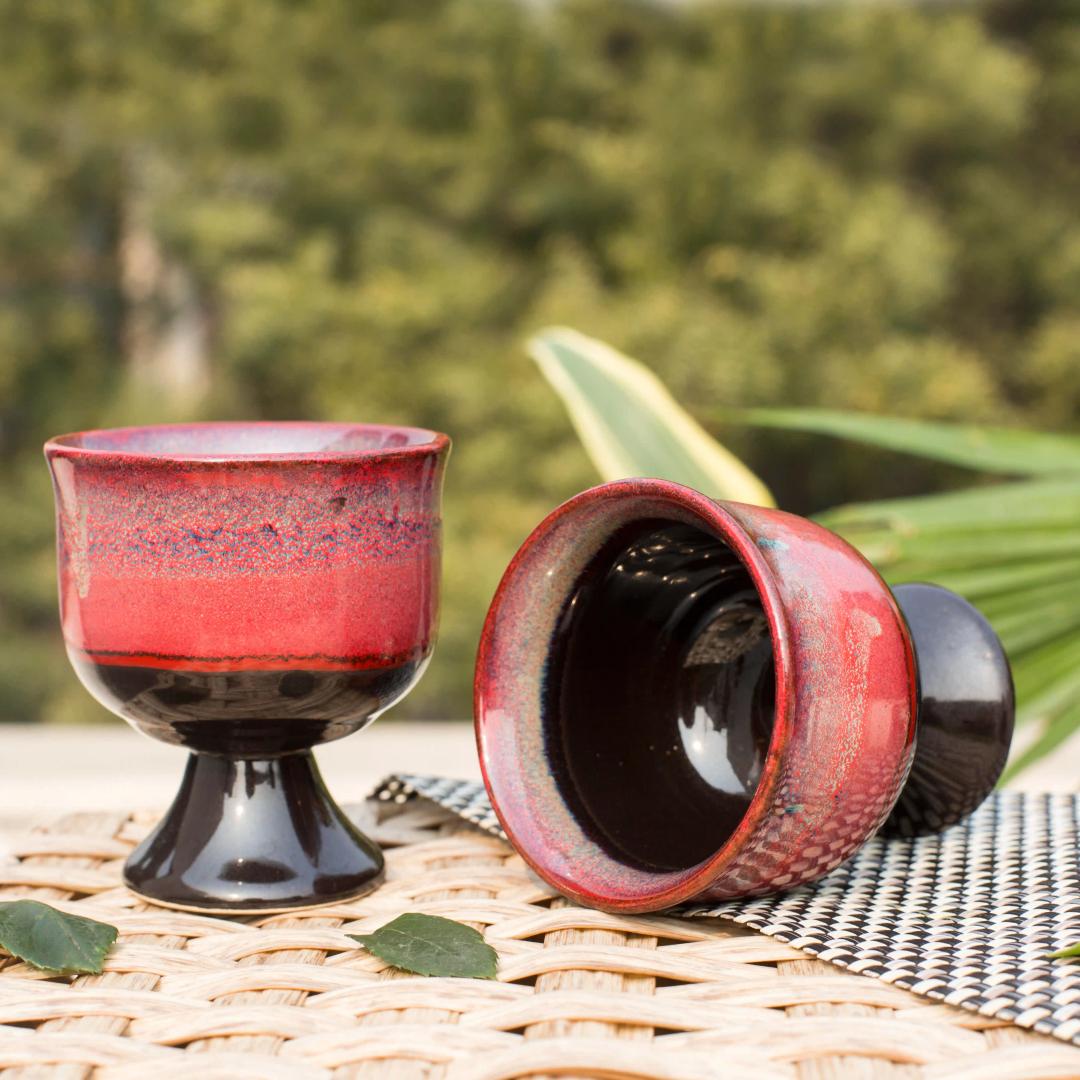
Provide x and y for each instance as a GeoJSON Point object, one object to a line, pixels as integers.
{"type": "Point", "coordinates": [967, 917]}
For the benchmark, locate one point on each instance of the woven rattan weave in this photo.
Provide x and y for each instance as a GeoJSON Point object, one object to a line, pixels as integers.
{"type": "Point", "coordinates": [969, 916]}
{"type": "Point", "coordinates": [580, 993]}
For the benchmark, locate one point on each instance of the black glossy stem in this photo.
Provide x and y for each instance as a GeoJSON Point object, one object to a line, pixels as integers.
{"type": "Point", "coordinates": [251, 835]}
{"type": "Point", "coordinates": [966, 708]}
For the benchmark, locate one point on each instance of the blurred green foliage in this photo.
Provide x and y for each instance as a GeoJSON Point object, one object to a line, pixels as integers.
{"type": "Point", "coordinates": [358, 209]}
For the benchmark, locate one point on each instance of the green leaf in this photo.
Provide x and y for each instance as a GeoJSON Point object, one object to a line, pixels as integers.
{"type": "Point", "coordinates": [1057, 731]}
{"type": "Point", "coordinates": [997, 450]}
{"type": "Point", "coordinates": [986, 582]}
{"type": "Point", "coordinates": [1024, 503]}
{"type": "Point", "coordinates": [1044, 676]}
{"type": "Point", "coordinates": [429, 945]}
{"type": "Point", "coordinates": [1065, 954]}
{"type": "Point", "coordinates": [1009, 549]}
{"type": "Point", "coordinates": [1012, 548]}
{"type": "Point", "coordinates": [1054, 697]}
{"type": "Point", "coordinates": [53, 940]}
{"type": "Point", "coordinates": [630, 424]}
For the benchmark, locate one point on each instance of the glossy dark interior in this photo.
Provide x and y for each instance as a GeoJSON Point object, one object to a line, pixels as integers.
{"type": "Point", "coordinates": [660, 696]}
{"type": "Point", "coordinates": [245, 713]}
{"type": "Point", "coordinates": [966, 707]}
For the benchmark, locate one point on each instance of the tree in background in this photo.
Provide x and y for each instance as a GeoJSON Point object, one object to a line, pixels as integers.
{"type": "Point", "coordinates": [356, 210]}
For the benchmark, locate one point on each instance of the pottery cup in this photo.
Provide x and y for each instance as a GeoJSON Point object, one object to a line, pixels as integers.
{"type": "Point", "coordinates": [681, 699]}
{"type": "Point", "coordinates": [248, 591]}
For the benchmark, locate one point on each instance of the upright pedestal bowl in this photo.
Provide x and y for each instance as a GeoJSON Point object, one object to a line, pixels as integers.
{"type": "Point", "coordinates": [249, 591]}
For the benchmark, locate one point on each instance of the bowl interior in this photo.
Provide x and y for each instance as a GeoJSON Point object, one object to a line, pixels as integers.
{"type": "Point", "coordinates": [211, 440]}
{"type": "Point", "coordinates": [660, 695]}
{"type": "Point", "coordinates": [626, 691]}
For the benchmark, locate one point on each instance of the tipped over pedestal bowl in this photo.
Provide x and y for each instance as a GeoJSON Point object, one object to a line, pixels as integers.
{"type": "Point", "coordinates": [681, 699]}
{"type": "Point", "coordinates": [249, 591]}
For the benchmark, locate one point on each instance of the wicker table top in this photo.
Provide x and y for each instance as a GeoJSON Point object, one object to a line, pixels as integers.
{"type": "Point", "coordinates": [580, 992]}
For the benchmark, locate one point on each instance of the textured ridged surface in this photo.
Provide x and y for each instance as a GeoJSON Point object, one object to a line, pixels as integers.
{"type": "Point", "coordinates": [966, 917]}
{"type": "Point", "coordinates": [580, 992]}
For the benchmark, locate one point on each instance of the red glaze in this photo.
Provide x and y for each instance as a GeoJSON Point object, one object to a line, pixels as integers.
{"type": "Point", "coordinates": [249, 591]}
{"type": "Point", "coordinates": [845, 701]}
{"type": "Point", "coordinates": [181, 548]}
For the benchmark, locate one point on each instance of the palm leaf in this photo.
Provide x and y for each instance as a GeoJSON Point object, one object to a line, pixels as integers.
{"type": "Point", "coordinates": [631, 426]}
{"type": "Point", "coordinates": [1037, 502]}
{"type": "Point", "coordinates": [1010, 451]}
{"type": "Point", "coordinates": [1055, 732]}
{"type": "Point", "coordinates": [1004, 547]}
{"type": "Point", "coordinates": [1013, 549]}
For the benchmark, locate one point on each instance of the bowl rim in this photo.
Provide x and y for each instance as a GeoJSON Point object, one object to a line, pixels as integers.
{"type": "Point", "coordinates": [429, 443]}
{"type": "Point", "coordinates": [715, 517]}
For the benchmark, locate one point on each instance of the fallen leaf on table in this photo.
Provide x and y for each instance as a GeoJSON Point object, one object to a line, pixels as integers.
{"type": "Point", "coordinates": [429, 945]}
{"type": "Point", "coordinates": [52, 940]}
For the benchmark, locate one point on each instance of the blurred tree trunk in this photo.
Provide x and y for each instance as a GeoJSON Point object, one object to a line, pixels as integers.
{"type": "Point", "coordinates": [166, 326]}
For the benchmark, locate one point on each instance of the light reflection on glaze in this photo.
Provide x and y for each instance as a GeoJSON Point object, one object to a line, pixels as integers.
{"type": "Point", "coordinates": [810, 811]}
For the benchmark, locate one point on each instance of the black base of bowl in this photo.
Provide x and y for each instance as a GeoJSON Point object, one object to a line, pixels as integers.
{"type": "Point", "coordinates": [966, 708]}
{"type": "Point", "coordinates": [253, 836]}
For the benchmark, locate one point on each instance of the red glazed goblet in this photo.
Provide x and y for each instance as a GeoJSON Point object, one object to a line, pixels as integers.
{"type": "Point", "coordinates": [680, 699]}
{"type": "Point", "coordinates": [249, 591]}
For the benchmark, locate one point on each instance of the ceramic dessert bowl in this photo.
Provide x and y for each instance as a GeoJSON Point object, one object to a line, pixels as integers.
{"type": "Point", "coordinates": [683, 699]}
{"type": "Point", "coordinates": [249, 591]}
